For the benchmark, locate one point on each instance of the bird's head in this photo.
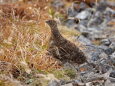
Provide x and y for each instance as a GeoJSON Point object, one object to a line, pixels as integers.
{"type": "Point", "coordinates": [51, 23]}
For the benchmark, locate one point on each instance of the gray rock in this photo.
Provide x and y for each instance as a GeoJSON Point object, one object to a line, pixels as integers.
{"type": "Point", "coordinates": [83, 6]}
{"type": "Point", "coordinates": [54, 83]}
{"type": "Point", "coordinates": [95, 56]}
{"type": "Point", "coordinates": [109, 51]}
{"type": "Point", "coordinates": [103, 68]}
{"type": "Point", "coordinates": [112, 58]}
{"type": "Point", "coordinates": [98, 14]}
{"type": "Point", "coordinates": [84, 40]}
{"type": "Point", "coordinates": [70, 84]}
{"type": "Point", "coordinates": [79, 7]}
{"type": "Point", "coordinates": [103, 55]}
{"type": "Point", "coordinates": [97, 35]}
{"type": "Point", "coordinates": [84, 22]}
{"type": "Point", "coordinates": [112, 46]}
{"type": "Point", "coordinates": [106, 42]}
{"type": "Point", "coordinates": [95, 21]}
{"type": "Point", "coordinates": [93, 52]}
{"type": "Point", "coordinates": [109, 83]}
{"type": "Point", "coordinates": [57, 4]}
{"type": "Point", "coordinates": [83, 15]}
{"type": "Point", "coordinates": [94, 30]}
{"type": "Point", "coordinates": [71, 12]}
{"type": "Point", "coordinates": [81, 28]}
{"type": "Point", "coordinates": [70, 23]}
{"type": "Point", "coordinates": [103, 47]}
{"type": "Point", "coordinates": [109, 11]}
{"type": "Point", "coordinates": [102, 6]}
{"type": "Point", "coordinates": [112, 74]}
{"type": "Point", "coordinates": [108, 14]}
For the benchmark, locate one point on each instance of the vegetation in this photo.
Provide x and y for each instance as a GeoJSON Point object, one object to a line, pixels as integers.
{"type": "Point", "coordinates": [24, 39]}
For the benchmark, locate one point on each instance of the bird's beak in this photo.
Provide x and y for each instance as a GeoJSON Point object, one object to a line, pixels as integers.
{"type": "Point", "coordinates": [47, 21]}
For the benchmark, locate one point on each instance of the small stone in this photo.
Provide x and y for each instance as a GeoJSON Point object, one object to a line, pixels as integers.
{"type": "Point", "coordinates": [95, 21]}
{"type": "Point", "coordinates": [104, 68]}
{"type": "Point", "coordinates": [103, 55]}
{"type": "Point", "coordinates": [83, 15]}
{"type": "Point", "coordinates": [103, 47]}
{"type": "Point", "coordinates": [95, 56]}
{"type": "Point", "coordinates": [84, 40]}
{"type": "Point", "coordinates": [112, 46]}
{"type": "Point", "coordinates": [81, 28]}
{"type": "Point", "coordinates": [78, 83]}
{"type": "Point", "coordinates": [112, 74]}
{"type": "Point", "coordinates": [70, 84]}
{"type": "Point", "coordinates": [109, 51]}
{"type": "Point", "coordinates": [108, 83]}
{"type": "Point", "coordinates": [54, 83]}
{"type": "Point", "coordinates": [71, 12]}
{"type": "Point", "coordinates": [93, 52]}
{"type": "Point", "coordinates": [102, 6]}
{"type": "Point", "coordinates": [109, 11]}
{"type": "Point", "coordinates": [70, 23]}
{"type": "Point", "coordinates": [84, 22]}
{"type": "Point", "coordinates": [83, 5]}
{"type": "Point", "coordinates": [106, 42]}
{"type": "Point", "coordinates": [57, 4]}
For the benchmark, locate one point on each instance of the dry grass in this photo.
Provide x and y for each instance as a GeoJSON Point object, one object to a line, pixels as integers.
{"type": "Point", "coordinates": [24, 37]}
{"type": "Point", "coordinates": [24, 40]}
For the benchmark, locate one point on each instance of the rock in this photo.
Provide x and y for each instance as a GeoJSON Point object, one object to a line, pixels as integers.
{"type": "Point", "coordinates": [71, 12]}
{"type": "Point", "coordinates": [93, 52]}
{"type": "Point", "coordinates": [84, 22]}
{"type": "Point", "coordinates": [109, 11]}
{"type": "Point", "coordinates": [98, 14]}
{"type": "Point", "coordinates": [83, 6]}
{"type": "Point", "coordinates": [106, 42]}
{"type": "Point", "coordinates": [57, 4]}
{"type": "Point", "coordinates": [103, 68]}
{"type": "Point", "coordinates": [70, 84]}
{"type": "Point", "coordinates": [84, 40]}
{"type": "Point", "coordinates": [112, 46]}
{"type": "Point", "coordinates": [70, 23]}
{"type": "Point", "coordinates": [95, 21]}
{"type": "Point", "coordinates": [83, 15]}
{"type": "Point", "coordinates": [79, 7]}
{"type": "Point", "coordinates": [54, 83]}
{"type": "Point", "coordinates": [76, 6]}
{"type": "Point", "coordinates": [103, 55]}
{"type": "Point", "coordinates": [95, 56]}
{"type": "Point", "coordinates": [97, 35]}
{"type": "Point", "coordinates": [102, 6]}
{"type": "Point", "coordinates": [112, 74]}
{"type": "Point", "coordinates": [103, 47]}
{"type": "Point", "coordinates": [82, 28]}
{"type": "Point", "coordinates": [108, 14]}
{"type": "Point", "coordinates": [112, 58]}
{"type": "Point", "coordinates": [109, 51]}
{"type": "Point", "coordinates": [109, 83]}
{"type": "Point", "coordinates": [78, 83]}
{"type": "Point", "coordinates": [89, 84]}
{"type": "Point", "coordinates": [94, 30]}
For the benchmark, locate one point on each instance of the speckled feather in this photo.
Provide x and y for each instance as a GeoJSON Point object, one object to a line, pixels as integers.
{"type": "Point", "coordinates": [62, 49]}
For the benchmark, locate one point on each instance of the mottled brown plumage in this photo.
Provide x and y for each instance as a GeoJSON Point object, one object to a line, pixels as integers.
{"type": "Point", "coordinates": [63, 49]}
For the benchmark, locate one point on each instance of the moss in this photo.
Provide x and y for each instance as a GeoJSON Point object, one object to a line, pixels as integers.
{"type": "Point", "coordinates": [71, 73]}
{"type": "Point", "coordinates": [59, 74]}
{"type": "Point", "coordinates": [66, 74]}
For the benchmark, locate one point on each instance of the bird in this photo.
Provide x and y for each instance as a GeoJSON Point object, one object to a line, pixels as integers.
{"type": "Point", "coordinates": [63, 49]}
